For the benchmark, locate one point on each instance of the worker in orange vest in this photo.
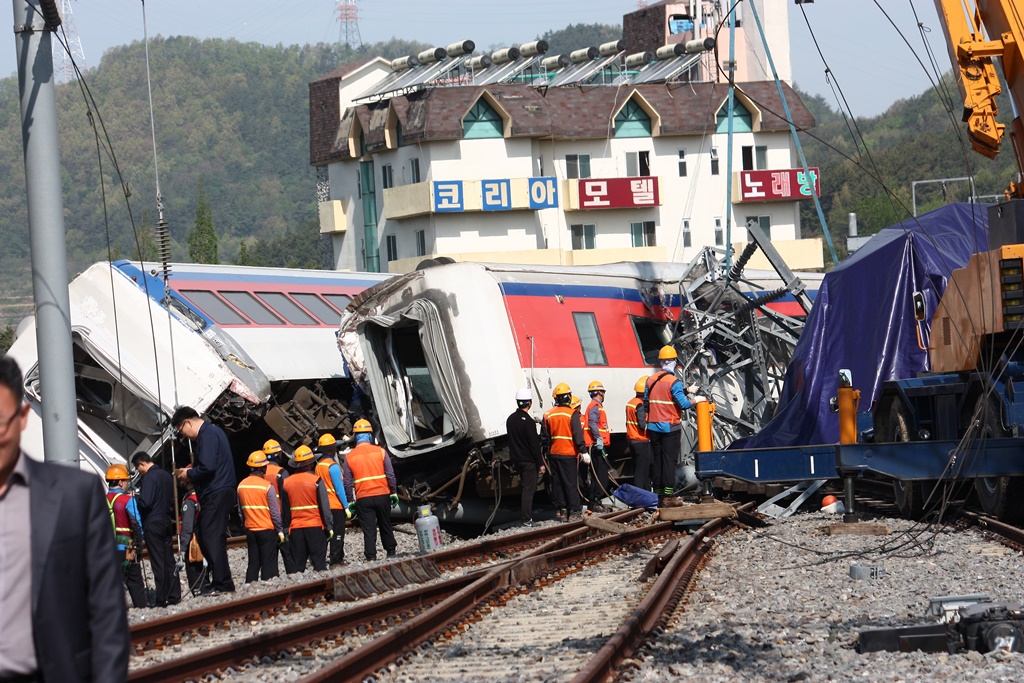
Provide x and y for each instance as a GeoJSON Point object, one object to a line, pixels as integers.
{"type": "Point", "coordinates": [371, 486]}
{"type": "Point", "coordinates": [561, 437]}
{"type": "Point", "coordinates": [306, 513]}
{"type": "Point", "coordinates": [330, 474]}
{"type": "Point", "coordinates": [636, 434]}
{"type": "Point", "coordinates": [276, 475]}
{"type": "Point", "coordinates": [261, 516]}
{"type": "Point", "coordinates": [597, 437]}
{"type": "Point", "coordinates": [665, 400]}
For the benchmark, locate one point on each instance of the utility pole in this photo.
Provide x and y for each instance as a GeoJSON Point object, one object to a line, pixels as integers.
{"type": "Point", "coordinates": [34, 21]}
{"type": "Point", "coordinates": [66, 60]}
{"type": "Point", "coordinates": [348, 18]}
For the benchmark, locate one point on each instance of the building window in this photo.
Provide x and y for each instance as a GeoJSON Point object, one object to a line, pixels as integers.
{"type": "Point", "coordinates": [414, 170]}
{"type": "Point", "coordinates": [482, 122]}
{"type": "Point", "coordinates": [577, 165]}
{"type": "Point", "coordinates": [590, 339]}
{"type": "Point", "coordinates": [765, 222]}
{"type": "Point", "coordinates": [682, 163]}
{"type": "Point", "coordinates": [638, 164]}
{"type": "Point", "coordinates": [719, 238]}
{"type": "Point", "coordinates": [643, 234]}
{"type": "Point", "coordinates": [421, 242]}
{"type": "Point", "coordinates": [687, 238]}
{"type": "Point", "coordinates": [632, 122]}
{"type": "Point", "coordinates": [392, 247]}
{"type": "Point", "coordinates": [747, 152]}
{"type": "Point", "coordinates": [387, 176]}
{"type": "Point", "coordinates": [584, 236]}
{"type": "Point", "coordinates": [714, 161]}
{"type": "Point", "coordinates": [761, 157]}
{"type": "Point", "coordinates": [742, 122]}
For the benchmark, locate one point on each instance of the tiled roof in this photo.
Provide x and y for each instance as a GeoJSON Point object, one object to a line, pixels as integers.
{"type": "Point", "coordinates": [566, 113]}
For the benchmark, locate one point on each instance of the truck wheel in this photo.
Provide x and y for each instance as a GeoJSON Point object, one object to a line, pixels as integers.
{"type": "Point", "coordinates": [909, 494]}
{"type": "Point", "coordinates": [998, 496]}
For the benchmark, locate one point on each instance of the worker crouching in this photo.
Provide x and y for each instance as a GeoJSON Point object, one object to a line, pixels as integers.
{"type": "Point", "coordinates": [370, 485]}
{"type": "Point", "coordinates": [257, 502]}
{"type": "Point", "coordinates": [307, 514]}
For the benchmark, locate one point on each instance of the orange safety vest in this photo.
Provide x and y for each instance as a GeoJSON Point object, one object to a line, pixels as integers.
{"type": "Point", "coordinates": [323, 470]}
{"type": "Point", "coordinates": [118, 504]}
{"type": "Point", "coordinates": [602, 425]}
{"type": "Point", "coordinates": [302, 501]}
{"type": "Point", "coordinates": [559, 423]}
{"type": "Point", "coordinates": [271, 476]}
{"type": "Point", "coordinates": [661, 405]}
{"type": "Point", "coordinates": [366, 463]}
{"type": "Point", "coordinates": [252, 496]}
{"type": "Point", "coordinates": [633, 432]}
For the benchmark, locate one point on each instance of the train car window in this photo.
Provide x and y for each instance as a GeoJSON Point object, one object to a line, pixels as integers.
{"type": "Point", "coordinates": [651, 335]}
{"type": "Point", "coordinates": [185, 314]}
{"type": "Point", "coordinates": [252, 307]}
{"type": "Point", "coordinates": [210, 304]}
{"type": "Point", "coordinates": [339, 301]}
{"type": "Point", "coordinates": [282, 305]}
{"type": "Point", "coordinates": [318, 307]}
{"type": "Point", "coordinates": [590, 339]}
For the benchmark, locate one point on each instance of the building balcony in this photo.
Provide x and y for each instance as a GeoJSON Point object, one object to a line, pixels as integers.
{"type": "Point", "coordinates": [778, 185]}
{"type": "Point", "coordinates": [332, 217]}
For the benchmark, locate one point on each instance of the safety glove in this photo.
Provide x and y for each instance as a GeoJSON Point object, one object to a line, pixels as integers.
{"type": "Point", "coordinates": [394, 499]}
{"type": "Point", "coordinates": [281, 538]}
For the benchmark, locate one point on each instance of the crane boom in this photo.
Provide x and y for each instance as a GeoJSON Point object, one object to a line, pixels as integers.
{"type": "Point", "coordinates": [977, 31]}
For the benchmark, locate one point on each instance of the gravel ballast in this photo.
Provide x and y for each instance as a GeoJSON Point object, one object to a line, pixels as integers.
{"type": "Point", "coordinates": [778, 604]}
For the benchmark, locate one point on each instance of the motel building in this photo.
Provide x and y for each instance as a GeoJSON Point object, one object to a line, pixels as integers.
{"type": "Point", "coordinates": [612, 153]}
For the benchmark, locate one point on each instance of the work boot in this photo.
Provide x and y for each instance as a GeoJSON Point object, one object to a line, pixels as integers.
{"type": "Point", "coordinates": [561, 515]}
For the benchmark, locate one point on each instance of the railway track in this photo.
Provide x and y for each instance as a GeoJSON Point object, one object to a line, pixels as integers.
{"type": "Point", "coordinates": [357, 641]}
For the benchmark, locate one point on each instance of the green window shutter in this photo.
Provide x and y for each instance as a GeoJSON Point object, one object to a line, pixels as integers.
{"type": "Point", "coordinates": [636, 230]}
{"type": "Point", "coordinates": [742, 121]}
{"type": "Point", "coordinates": [632, 122]}
{"type": "Point", "coordinates": [482, 122]}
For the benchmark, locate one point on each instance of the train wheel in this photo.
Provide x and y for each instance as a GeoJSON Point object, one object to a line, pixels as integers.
{"type": "Point", "coordinates": [998, 496]}
{"type": "Point", "coordinates": [909, 495]}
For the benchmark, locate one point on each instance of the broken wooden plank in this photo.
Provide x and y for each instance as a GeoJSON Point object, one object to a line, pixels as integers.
{"type": "Point", "coordinates": [595, 522]}
{"type": "Point", "coordinates": [856, 529]}
{"type": "Point", "coordinates": [702, 511]}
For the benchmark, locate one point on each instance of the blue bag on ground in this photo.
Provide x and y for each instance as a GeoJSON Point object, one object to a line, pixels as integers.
{"type": "Point", "coordinates": [635, 497]}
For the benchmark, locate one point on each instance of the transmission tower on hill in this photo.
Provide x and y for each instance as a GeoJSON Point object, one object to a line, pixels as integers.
{"type": "Point", "coordinates": [63, 69]}
{"type": "Point", "coordinates": [348, 20]}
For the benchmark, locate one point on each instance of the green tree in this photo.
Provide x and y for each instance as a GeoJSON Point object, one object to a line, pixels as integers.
{"type": "Point", "coordinates": [6, 338]}
{"type": "Point", "coordinates": [202, 241]}
{"type": "Point", "coordinates": [576, 36]}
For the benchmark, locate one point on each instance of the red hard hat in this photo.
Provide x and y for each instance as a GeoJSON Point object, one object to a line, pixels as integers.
{"type": "Point", "coordinates": [828, 500]}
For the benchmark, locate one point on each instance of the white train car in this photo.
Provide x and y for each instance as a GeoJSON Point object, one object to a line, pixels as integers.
{"type": "Point", "coordinates": [443, 351]}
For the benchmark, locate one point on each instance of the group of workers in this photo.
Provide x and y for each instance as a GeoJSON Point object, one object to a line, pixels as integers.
{"type": "Point", "coordinates": [572, 445]}
{"type": "Point", "coordinates": [298, 512]}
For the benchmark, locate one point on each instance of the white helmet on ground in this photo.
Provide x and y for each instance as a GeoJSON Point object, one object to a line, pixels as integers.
{"type": "Point", "coordinates": [524, 394]}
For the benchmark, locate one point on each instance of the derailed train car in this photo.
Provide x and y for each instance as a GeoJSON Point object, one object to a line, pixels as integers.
{"type": "Point", "coordinates": [443, 350]}
{"type": "Point", "coordinates": [253, 349]}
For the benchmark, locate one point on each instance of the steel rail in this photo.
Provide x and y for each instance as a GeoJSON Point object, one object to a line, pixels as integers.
{"type": "Point", "coordinates": [555, 554]}
{"type": "Point", "coordinates": [1014, 536]}
{"type": "Point", "coordinates": [167, 629]}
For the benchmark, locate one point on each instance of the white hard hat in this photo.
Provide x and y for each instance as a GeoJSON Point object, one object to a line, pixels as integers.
{"type": "Point", "coordinates": [524, 394]}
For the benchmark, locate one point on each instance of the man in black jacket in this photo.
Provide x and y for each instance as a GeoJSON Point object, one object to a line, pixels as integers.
{"type": "Point", "coordinates": [213, 475]}
{"type": "Point", "coordinates": [63, 610]}
{"type": "Point", "coordinates": [156, 505]}
{"type": "Point", "coordinates": [524, 449]}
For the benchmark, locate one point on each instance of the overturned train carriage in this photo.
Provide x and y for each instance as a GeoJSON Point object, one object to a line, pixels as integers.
{"type": "Point", "coordinates": [443, 350]}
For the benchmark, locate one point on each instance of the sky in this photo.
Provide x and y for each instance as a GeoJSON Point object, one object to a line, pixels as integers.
{"type": "Point", "coordinates": [865, 53]}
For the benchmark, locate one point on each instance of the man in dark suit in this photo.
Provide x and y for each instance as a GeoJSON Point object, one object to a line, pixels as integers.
{"type": "Point", "coordinates": [64, 616]}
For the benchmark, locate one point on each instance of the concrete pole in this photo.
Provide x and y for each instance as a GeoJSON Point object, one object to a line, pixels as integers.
{"type": "Point", "coordinates": [46, 233]}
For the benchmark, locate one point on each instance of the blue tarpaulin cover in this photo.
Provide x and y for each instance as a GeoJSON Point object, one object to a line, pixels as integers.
{"type": "Point", "coordinates": [863, 320]}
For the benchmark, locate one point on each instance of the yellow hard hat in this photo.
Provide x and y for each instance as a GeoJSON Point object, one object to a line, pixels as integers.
{"type": "Point", "coordinates": [595, 386]}
{"type": "Point", "coordinates": [117, 472]}
{"type": "Point", "coordinates": [668, 353]}
{"type": "Point", "coordinates": [302, 454]}
{"type": "Point", "coordinates": [362, 427]}
{"type": "Point", "coordinates": [271, 446]}
{"type": "Point", "coordinates": [560, 390]}
{"type": "Point", "coordinates": [326, 440]}
{"type": "Point", "coordinates": [257, 459]}
{"type": "Point", "coordinates": [574, 402]}
{"type": "Point", "coordinates": [641, 385]}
